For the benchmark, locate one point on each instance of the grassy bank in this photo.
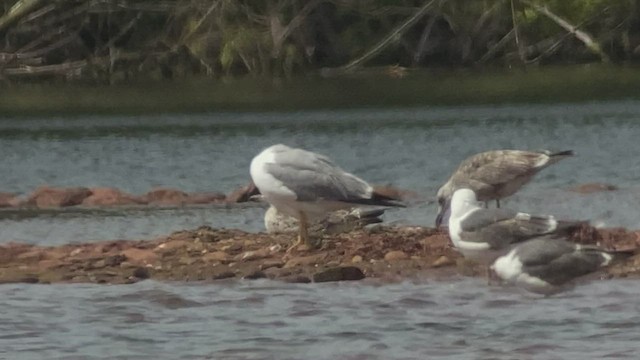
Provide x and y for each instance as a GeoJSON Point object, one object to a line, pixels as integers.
{"type": "Point", "coordinates": [371, 88]}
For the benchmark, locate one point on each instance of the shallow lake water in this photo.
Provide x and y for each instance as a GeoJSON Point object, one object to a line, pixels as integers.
{"type": "Point", "coordinates": [460, 319]}
{"type": "Point", "coordinates": [414, 149]}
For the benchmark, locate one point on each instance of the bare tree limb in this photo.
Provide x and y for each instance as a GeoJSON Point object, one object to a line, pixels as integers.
{"type": "Point", "coordinates": [592, 45]}
{"type": "Point", "coordinates": [392, 36]}
{"type": "Point", "coordinates": [19, 10]}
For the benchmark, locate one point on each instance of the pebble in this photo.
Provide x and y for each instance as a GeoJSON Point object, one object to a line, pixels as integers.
{"type": "Point", "coordinates": [395, 255]}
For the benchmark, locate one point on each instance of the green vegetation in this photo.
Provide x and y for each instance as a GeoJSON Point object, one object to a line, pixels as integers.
{"type": "Point", "coordinates": [418, 88]}
{"type": "Point", "coordinates": [121, 41]}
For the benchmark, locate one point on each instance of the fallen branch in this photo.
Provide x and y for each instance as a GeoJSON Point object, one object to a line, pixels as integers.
{"type": "Point", "coordinates": [392, 36]}
{"type": "Point", "coordinates": [18, 11]}
{"type": "Point", "coordinates": [592, 45]}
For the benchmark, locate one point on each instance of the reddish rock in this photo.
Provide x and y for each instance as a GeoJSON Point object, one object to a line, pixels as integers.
{"type": "Point", "coordinates": [590, 188]}
{"type": "Point", "coordinates": [7, 199]}
{"type": "Point", "coordinates": [140, 256]}
{"type": "Point", "coordinates": [216, 256]}
{"type": "Point", "coordinates": [395, 255]}
{"type": "Point", "coordinates": [166, 196]}
{"type": "Point", "coordinates": [46, 197]}
{"type": "Point", "coordinates": [242, 194]}
{"type": "Point", "coordinates": [205, 198]}
{"type": "Point", "coordinates": [254, 254]}
{"type": "Point", "coordinates": [106, 196]}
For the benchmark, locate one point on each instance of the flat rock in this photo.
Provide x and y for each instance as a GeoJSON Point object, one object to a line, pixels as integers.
{"type": "Point", "coordinates": [7, 199]}
{"type": "Point", "coordinates": [107, 196]}
{"type": "Point", "coordinates": [140, 256]}
{"type": "Point", "coordinates": [166, 196]}
{"type": "Point", "coordinates": [49, 197]}
{"type": "Point", "coordinates": [242, 194]}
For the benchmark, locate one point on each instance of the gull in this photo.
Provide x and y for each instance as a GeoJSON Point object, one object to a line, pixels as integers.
{"type": "Point", "coordinates": [306, 186]}
{"type": "Point", "coordinates": [336, 222]}
{"type": "Point", "coordinates": [548, 265]}
{"type": "Point", "coordinates": [485, 234]}
{"type": "Point", "coordinates": [496, 174]}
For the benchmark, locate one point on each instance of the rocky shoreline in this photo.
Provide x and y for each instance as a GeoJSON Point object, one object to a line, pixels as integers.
{"type": "Point", "coordinates": [207, 254]}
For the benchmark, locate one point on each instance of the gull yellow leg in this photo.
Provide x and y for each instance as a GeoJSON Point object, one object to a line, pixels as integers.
{"type": "Point", "coordinates": [303, 236]}
{"type": "Point", "coordinates": [303, 233]}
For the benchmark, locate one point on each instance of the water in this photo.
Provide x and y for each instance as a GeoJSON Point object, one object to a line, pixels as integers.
{"type": "Point", "coordinates": [462, 319]}
{"type": "Point", "coordinates": [414, 149]}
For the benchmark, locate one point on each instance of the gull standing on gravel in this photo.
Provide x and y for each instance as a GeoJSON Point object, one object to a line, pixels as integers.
{"type": "Point", "coordinates": [484, 234]}
{"type": "Point", "coordinates": [336, 222]}
{"type": "Point", "coordinates": [496, 174]}
{"type": "Point", "coordinates": [547, 265]}
{"type": "Point", "coordinates": [307, 186]}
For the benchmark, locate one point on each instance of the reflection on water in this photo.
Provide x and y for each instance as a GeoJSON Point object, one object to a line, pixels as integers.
{"type": "Point", "coordinates": [461, 319]}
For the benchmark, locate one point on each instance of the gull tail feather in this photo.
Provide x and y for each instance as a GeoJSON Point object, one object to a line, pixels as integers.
{"type": "Point", "coordinates": [567, 227]}
{"type": "Point", "coordinates": [377, 199]}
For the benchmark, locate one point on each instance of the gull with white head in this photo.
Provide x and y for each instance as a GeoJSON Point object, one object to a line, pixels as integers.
{"type": "Point", "coordinates": [306, 185]}
{"type": "Point", "coordinates": [484, 234]}
{"type": "Point", "coordinates": [496, 174]}
{"type": "Point", "coordinates": [547, 265]}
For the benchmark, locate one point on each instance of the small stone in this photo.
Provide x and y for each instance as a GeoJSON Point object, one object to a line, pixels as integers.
{"type": "Point", "coordinates": [341, 273]}
{"type": "Point", "coordinates": [442, 261]}
{"type": "Point", "coordinates": [255, 254]}
{"type": "Point", "coordinates": [114, 260]}
{"type": "Point", "coordinates": [141, 273]}
{"type": "Point", "coordinates": [220, 256]}
{"type": "Point", "coordinates": [75, 252]}
{"type": "Point", "coordinates": [356, 259]}
{"type": "Point", "coordinates": [232, 248]}
{"type": "Point", "coordinates": [395, 255]}
{"type": "Point", "coordinates": [267, 264]}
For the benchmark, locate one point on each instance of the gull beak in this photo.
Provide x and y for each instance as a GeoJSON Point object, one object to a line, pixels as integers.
{"type": "Point", "coordinates": [443, 215]}
{"type": "Point", "coordinates": [439, 217]}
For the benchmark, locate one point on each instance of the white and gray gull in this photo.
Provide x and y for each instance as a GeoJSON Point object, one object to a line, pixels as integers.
{"type": "Point", "coordinates": [496, 174]}
{"type": "Point", "coordinates": [307, 186]}
{"type": "Point", "coordinates": [483, 234]}
{"type": "Point", "coordinates": [548, 265]}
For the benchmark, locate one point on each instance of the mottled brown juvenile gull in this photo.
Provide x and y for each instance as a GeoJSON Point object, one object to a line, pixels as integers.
{"type": "Point", "coordinates": [547, 265]}
{"type": "Point", "coordinates": [496, 174]}
{"type": "Point", "coordinates": [335, 222]}
{"type": "Point", "coordinates": [307, 186]}
{"type": "Point", "coordinates": [485, 234]}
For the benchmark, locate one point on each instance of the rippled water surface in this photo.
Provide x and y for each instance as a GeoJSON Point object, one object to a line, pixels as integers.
{"type": "Point", "coordinates": [463, 319]}
{"type": "Point", "coordinates": [414, 149]}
